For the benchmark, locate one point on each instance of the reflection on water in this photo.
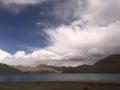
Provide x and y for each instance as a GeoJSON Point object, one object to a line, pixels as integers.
{"type": "Point", "coordinates": [59, 77]}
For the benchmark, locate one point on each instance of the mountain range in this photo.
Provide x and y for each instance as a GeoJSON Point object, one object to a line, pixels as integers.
{"type": "Point", "coordinates": [110, 64]}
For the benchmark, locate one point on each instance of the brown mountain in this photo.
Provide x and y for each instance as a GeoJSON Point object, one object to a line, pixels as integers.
{"type": "Point", "coordinates": [5, 69]}
{"type": "Point", "coordinates": [38, 69]}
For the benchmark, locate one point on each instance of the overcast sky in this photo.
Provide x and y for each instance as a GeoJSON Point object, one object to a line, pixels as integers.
{"type": "Point", "coordinates": [58, 32]}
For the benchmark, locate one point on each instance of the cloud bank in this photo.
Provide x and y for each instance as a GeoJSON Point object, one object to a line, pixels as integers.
{"type": "Point", "coordinates": [93, 34]}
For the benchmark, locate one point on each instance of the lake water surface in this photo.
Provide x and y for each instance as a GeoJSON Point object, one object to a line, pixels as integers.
{"type": "Point", "coordinates": [59, 77]}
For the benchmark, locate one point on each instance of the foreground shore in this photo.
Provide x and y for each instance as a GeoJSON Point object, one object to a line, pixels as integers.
{"type": "Point", "coordinates": [60, 85]}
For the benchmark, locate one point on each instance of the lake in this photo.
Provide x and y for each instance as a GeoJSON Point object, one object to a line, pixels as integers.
{"type": "Point", "coordinates": [59, 77]}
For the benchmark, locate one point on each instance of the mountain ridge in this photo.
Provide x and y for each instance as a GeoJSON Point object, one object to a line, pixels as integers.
{"type": "Point", "coordinates": [5, 69]}
{"type": "Point", "coordinates": [110, 64]}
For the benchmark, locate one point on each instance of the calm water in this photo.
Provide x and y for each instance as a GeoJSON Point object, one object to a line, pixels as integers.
{"type": "Point", "coordinates": [60, 77]}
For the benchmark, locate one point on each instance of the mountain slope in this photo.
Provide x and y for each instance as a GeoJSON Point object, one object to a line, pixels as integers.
{"type": "Point", "coordinates": [5, 69]}
{"type": "Point", "coordinates": [110, 64]}
{"type": "Point", "coordinates": [112, 60]}
{"type": "Point", "coordinates": [38, 69]}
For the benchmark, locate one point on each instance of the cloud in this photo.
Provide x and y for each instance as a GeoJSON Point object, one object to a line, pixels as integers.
{"type": "Point", "coordinates": [102, 12]}
{"type": "Point", "coordinates": [18, 5]}
{"type": "Point", "coordinates": [78, 41]}
{"type": "Point", "coordinates": [36, 58]}
{"type": "Point", "coordinates": [69, 10]}
{"type": "Point", "coordinates": [4, 54]}
{"type": "Point", "coordinates": [68, 42]}
{"type": "Point", "coordinates": [22, 2]}
{"type": "Point", "coordinates": [93, 34]}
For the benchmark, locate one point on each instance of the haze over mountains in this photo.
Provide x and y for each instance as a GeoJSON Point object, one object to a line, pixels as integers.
{"type": "Point", "coordinates": [110, 64]}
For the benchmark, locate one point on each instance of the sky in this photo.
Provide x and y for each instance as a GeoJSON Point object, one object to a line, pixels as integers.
{"type": "Point", "coordinates": [58, 32]}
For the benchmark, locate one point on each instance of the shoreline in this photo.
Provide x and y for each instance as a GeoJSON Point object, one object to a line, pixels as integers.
{"type": "Point", "coordinates": [60, 85]}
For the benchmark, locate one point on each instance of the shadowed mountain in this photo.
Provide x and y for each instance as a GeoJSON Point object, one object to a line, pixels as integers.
{"type": "Point", "coordinates": [112, 60]}
{"type": "Point", "coordinates": [110, 64]}
{"type": "Point", "coordinates": [5, 69]}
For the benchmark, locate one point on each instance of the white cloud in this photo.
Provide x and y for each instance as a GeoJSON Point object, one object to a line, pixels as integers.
{"type": "Point", "coordinates": [81, 41]}
{"type": "Point", "coordinates": [4, 54]}
{"type": "Point", "coordinates": [35, 58]}
{"type": "Point", "coordinates": [19, 54]}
